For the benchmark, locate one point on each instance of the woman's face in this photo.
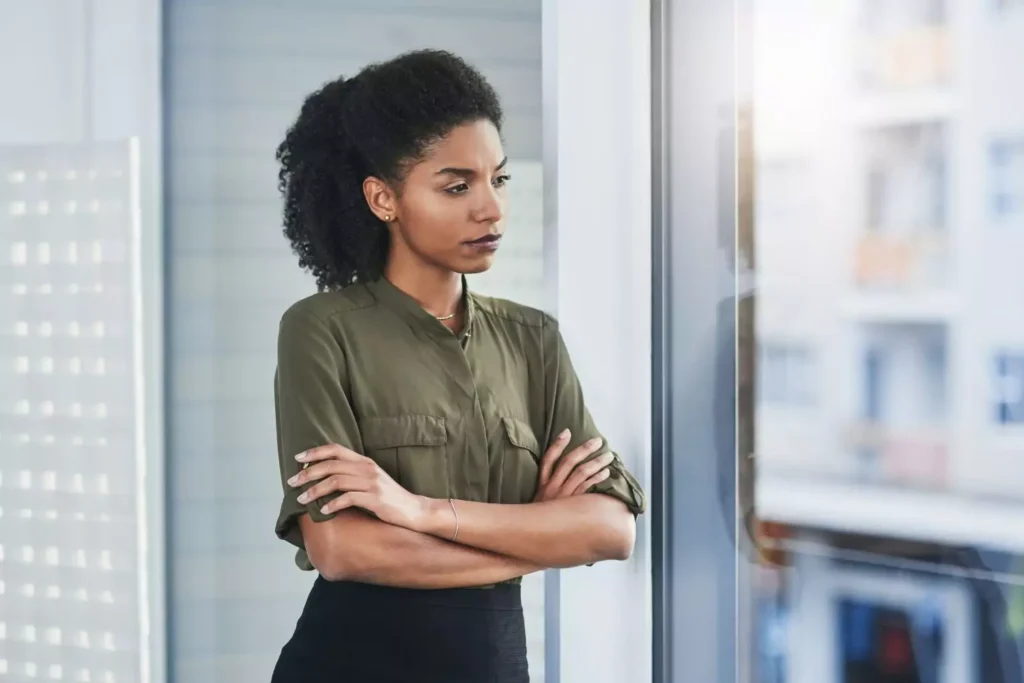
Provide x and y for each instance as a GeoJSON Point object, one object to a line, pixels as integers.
{"type": "Point", "coordinates": [449, 211]}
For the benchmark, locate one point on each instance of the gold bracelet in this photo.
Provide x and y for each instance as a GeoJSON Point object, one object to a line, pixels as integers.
{"type": "Point", "coordinates": [456, 513]}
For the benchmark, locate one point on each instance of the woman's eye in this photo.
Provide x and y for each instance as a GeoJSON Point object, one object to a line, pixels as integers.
{"type": "Point", "coordinates": [457, 189]}
{"type": "Point", "coordinates": [502, 180]}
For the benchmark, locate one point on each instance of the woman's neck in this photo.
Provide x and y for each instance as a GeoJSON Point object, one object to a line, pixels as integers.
{"type": "Point", "coordinates": [438, 292]}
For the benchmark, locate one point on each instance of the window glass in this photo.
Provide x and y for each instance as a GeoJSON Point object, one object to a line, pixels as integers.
{"type": "Point", "coordinates": [885, 511]}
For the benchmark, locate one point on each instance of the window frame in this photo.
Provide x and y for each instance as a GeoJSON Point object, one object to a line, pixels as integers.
{"type": "Point", "coordinates": [703, 604]}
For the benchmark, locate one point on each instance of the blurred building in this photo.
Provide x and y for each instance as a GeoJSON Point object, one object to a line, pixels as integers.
{"type": "Point", "coordinates": [890, 219]}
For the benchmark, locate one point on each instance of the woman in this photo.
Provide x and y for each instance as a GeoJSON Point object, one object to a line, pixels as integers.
{"type": "Point", "coordinates": [410, 411]}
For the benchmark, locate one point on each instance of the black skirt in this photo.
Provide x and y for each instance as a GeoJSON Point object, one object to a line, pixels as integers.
{"type": "Point", "coordinates": [359, 633]}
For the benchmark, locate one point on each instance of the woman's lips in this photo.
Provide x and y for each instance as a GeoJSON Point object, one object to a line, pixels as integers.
{"type": "Point", "coordinates": [485, 243]}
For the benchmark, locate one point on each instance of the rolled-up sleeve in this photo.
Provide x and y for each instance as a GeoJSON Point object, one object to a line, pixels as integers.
{"type": "Point", "coordinates": [312, 409]}
{"type": "Point", "coordinates": [566, 408]}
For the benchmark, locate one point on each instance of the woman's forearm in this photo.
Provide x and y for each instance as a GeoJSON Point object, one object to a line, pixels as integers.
{"type": "Point", "coordinates": [356, 547]}
{"type": "Point", "coordinates": [567, 532]}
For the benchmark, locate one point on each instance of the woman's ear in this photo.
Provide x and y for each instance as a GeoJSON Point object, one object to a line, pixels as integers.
{"type": "Point", "coordinates": [381, 199]}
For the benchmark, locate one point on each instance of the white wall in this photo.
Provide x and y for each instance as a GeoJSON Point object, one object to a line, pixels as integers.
{"type": "Point", "coordinates": [597, 158]}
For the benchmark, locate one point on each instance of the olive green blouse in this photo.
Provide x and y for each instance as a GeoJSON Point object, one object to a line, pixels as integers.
{"type": "Point", "coordinates": [463, 416]}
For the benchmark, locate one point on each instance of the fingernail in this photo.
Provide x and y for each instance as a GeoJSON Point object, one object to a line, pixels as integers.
{"type": "Point", "coordinates": [301, 455]}
{"type": "Point", "coordinates": [595, 442]}
{"type": "Point", "coordinates": [608, 457]}
{"type": "Point", "coordinates": [294, 480]}
{"type": "Point", "coordinates": [304, 498]}
{"type": "Point", "coordinates": [564, 435]}
{"type": "Point", "coordinates": [324, 510]}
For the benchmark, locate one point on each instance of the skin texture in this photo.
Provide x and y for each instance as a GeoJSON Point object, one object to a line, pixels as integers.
{"type": "Point", "coordinates": [563, 527]}
{"type": "Point", "coordinates": [437, 212]}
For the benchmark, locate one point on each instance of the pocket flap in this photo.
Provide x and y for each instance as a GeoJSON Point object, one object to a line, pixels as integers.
{"type": "Point", "coordinates": [403, 430]}
{"type": "Point", "coordinates": [521, 436]}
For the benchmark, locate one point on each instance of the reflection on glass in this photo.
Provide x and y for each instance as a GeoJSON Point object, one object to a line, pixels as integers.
{"type": "Point", "coordinates": [887, 173]}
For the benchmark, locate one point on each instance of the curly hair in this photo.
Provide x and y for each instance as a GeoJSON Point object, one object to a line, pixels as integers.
{"type": "Point", "coordinates": [378, 123]}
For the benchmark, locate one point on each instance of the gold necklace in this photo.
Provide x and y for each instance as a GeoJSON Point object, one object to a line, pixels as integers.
{"type": "Point", "coordinates": [442, 318]}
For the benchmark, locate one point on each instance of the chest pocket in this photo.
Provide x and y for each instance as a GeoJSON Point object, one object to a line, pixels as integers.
{"type": "Point", "coordinates": [520, 462]}
{"type": "Point", "coordinates": [412, 449]}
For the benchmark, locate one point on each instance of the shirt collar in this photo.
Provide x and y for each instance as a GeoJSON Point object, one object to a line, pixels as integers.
{"type": "Point", "coordinates": [409, 309]}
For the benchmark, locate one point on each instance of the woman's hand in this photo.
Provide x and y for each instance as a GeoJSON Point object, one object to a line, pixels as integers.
{"type": "Point", "coordinates": [363, 484]}
{"type": "Point", "coordinates": [561, 478]}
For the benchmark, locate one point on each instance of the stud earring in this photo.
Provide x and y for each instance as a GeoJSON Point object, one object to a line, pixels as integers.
{"type": "Point", "coordinates": [387, 219]}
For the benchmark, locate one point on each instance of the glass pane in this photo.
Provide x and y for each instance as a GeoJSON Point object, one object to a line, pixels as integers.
{"type": "Point", "coordinates": [237, 73]}
{"type": "Point", "coordinates": [887, 172]}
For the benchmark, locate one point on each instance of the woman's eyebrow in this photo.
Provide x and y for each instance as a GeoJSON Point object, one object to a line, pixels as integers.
{"type": "Point", "coordinates": [467, 173]}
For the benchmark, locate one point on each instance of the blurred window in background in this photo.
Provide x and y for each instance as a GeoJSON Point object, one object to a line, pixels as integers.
{"type": "Point", "coordinates": [909, 470]}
